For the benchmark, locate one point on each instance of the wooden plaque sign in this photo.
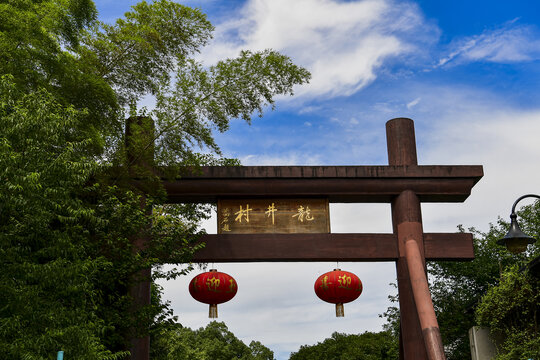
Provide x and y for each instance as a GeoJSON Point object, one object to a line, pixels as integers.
{"type": "Point", "coordinates": [285, 216]}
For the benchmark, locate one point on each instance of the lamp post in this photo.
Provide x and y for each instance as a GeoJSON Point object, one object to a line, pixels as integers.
{"type": "Point", "coordinates": [516, 241]}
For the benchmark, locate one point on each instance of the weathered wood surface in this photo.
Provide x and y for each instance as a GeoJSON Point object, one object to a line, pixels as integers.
{"type": "Point", "coordinates": [407, 225]}
{"type": "Point", "coordinates": [326, 247]}
{"type": "Point", "coordinates": [345, 184]}
{"type": "Point", "coordinates": [285, 216]}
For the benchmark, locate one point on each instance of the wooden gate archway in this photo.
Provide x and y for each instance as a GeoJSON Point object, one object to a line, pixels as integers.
{"type": "Point", "coordinates": [402, 183]}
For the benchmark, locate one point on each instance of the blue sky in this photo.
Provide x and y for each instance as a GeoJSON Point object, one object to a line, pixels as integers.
{"type": "Point", "coordinates": [467, 73]}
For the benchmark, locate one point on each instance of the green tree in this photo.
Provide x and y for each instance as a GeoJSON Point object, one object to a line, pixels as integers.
{"type": "Point", "coordinates": [48, 277]}
{"type": "Point", "coordinates": [214, 342]}
{"type": "Point", "coordinates": [150, 52]}
{"type": "Point", "coordinates": [511, 308]}
{"type": "Point", "coordinates": [366, 346]}
{"type": "Point", "coordinates": [457, 288]}
{"type": "Point", "coordinates": [90, 76]}
{"type": "Point", "coordinates": [511, 311]}
{"type": "Point", "coordinates": [39, 43]}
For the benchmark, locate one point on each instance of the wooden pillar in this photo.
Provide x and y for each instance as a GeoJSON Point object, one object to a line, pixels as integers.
{"type": "Point", "coordinates": [420, 337]}
{"type": "Point", "coordinates": [140, 292]}
{"type": "Point", "coordinates": [407, 224]}
{"type": "Point", "coordinates": [422, 298]}
{"type": "Point", "coordinates": [140, 159]}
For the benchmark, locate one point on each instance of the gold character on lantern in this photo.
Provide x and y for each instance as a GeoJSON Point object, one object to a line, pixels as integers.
{"type": "Point", "coordinates": [270, 212]}
{"type": "Point", "coordinates": [325, 283]}
{"type": "Point", "coordinates": [344, 282]}
{"type": "Point", "coordinates": [213, 284]}
{"type": "Point", "coordinates": [304, 213]}
{"type": "Point", "coordinates": [232, 285]}
{"type": "Point", "coordinates": [243, 213]}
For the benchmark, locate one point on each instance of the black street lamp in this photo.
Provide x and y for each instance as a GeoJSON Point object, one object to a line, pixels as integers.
{"type": "Point", "coordinates": [516, 241]}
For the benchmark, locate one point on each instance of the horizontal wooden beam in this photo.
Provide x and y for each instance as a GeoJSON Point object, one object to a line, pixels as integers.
{"type": "Point", "coordinates": [345, 184]}
{"type": "Point", "coordinates": [326, 247]}
{"type": "Point", "coordinates": [449, 246]}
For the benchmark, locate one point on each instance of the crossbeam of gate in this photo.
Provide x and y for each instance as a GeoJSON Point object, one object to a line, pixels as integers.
{"type": "Point", "coordinates": [341, 184]}
{"type": "Point", "coordinates": [226, 248]}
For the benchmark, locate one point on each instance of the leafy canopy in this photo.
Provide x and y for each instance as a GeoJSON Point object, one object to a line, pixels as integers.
{"type": "Point", "coordinates": [214, 342]}
{"type": "Point", "coordinates": [510, 309]}
{"type": "Point", "coordinates": [486, 291]}
{"type": "Point", "coordinates": [48, 275]}
{"type": "Point", "coordinates": [70, 87]}
{"type": "Point", "coordinates": [151, 53]}
{"type": "Point", "coordinates": [368, 346]}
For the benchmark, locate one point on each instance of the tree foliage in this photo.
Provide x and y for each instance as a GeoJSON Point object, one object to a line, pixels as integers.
{"type": "Point", "coordinates": [214, 342]}
{"type": "Point", "coordinates": [458, 289]}
{"type": "Point", "coordinates": [366, 346]}
{"type": "Point", "coordinates": [69, 213]}
{"type": "Point", "coordinates": [48, 276]}
{"type": "Point", "coordinates": [511, 310]}
{"type": "Point", "coordinates": [39, 44]}
{"type": "Point", "coordinates": [151, 52]}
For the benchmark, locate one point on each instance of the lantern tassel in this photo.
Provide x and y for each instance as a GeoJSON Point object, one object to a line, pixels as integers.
{"type": "Point", "coordinates": [340, 310]}
{"type": "Point", "coordinates": [212, 313]}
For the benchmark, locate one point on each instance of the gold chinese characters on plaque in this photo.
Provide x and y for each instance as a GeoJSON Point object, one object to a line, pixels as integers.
{"type": "Point", "coordinates": [286, 216]}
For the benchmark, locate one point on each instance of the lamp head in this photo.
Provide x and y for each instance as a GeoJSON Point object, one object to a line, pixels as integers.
{"type": "Point", "coordinates": [516, 241]}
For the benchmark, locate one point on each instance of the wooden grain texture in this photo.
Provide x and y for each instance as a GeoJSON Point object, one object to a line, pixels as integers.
{"type": "Point", "coordinates": [449, 247]}
{"type": "Point", "coordinates": [331, 172]}
{"type": "Point", "coordinates": [345, 184]}
{"type": "Point", "coordinates": [407, 225]}
{"type": "Point", "coordinates": [285, 216]}
{"type": "Point", "coordinates": [326, 247]}
{"type": "Point", "coordinates": [401, 142]}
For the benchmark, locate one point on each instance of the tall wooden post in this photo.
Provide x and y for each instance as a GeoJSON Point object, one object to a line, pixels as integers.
{"type": "Point", "coordinates": [407, 224]}
{"type": "Point", "coordinates": [140, 160]}
{"type": "Point", "coordinates": [419, 332]}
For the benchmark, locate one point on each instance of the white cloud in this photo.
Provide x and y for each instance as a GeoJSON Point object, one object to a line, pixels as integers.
{"type": "Point", "coordinates": [413, 103]}
{"type": "Point", "coordinates": [505, 142]}
{"type": "Point", "coordinates": [343, 44]}
{"type": "Point", "coordinates": [309, 109]}
{"type": "Point", "coordinates": [292, 158]}
{"type": "Point", "coordinates": [508, 44]}
{"type": "Point", "coordinates": [460, 125]}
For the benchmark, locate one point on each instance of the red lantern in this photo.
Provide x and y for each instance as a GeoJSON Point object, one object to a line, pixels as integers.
{"type": "Point", "coordinates": [213, 288]}
{"type": "Point", "coordinates": [338, 287]}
